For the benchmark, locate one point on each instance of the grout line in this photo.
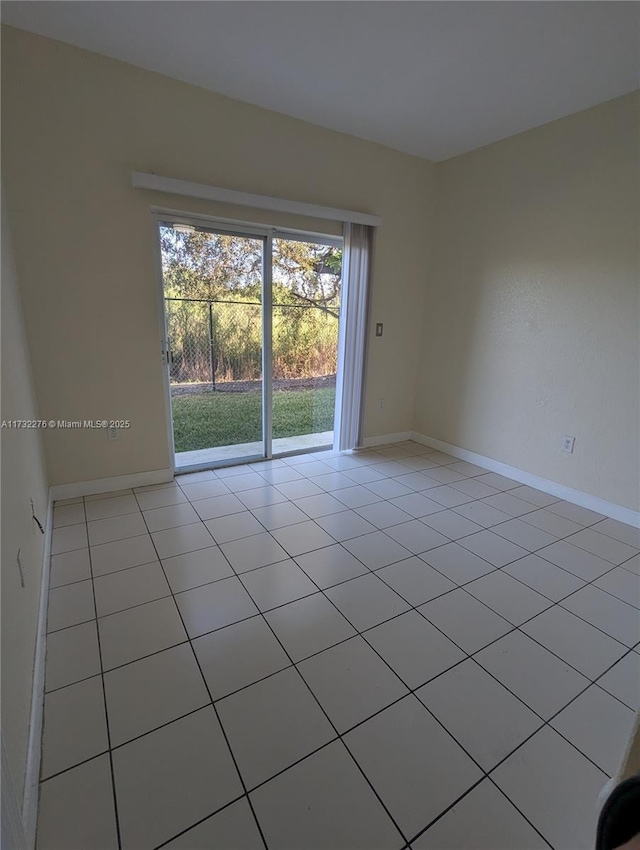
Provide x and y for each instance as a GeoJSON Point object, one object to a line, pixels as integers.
{"type": "Point", "coordinates": [106, 710]}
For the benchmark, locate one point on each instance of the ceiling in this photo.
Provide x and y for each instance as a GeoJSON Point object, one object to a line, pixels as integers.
{"type": "Point", "coordinates": [434, 79]}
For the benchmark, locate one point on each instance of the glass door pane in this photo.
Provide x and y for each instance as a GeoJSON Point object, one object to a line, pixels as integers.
{"type": "Point", "coordinates": [212, 286]}
{"type": "Point", "coordinates": [306, 308]}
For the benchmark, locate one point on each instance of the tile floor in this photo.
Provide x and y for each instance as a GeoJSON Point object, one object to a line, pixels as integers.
{"type": "Point", "coordinates": [388, 649]}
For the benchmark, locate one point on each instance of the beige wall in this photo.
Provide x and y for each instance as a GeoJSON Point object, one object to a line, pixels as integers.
{"type": "Point", "coordinates": [532, 311]}
{"type": "Point", "coordinates": [23, 478]}
{"type": "Point", "coordinates": [74, 126]}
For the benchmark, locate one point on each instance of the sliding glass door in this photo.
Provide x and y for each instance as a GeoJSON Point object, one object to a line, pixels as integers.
{"type": "Point", "coordinates": [251, 329]}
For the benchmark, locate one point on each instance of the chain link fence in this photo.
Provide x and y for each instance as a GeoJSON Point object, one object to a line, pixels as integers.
{"type": "Point", "coordinates": [218, 344]}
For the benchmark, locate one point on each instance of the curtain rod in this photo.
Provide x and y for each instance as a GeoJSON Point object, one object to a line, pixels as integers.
{"type": "Point", "coordinates": [173, 186]}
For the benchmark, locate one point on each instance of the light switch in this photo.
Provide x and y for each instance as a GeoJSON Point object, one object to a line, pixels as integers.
{"type": "Point", "coordinates": [378, 328]}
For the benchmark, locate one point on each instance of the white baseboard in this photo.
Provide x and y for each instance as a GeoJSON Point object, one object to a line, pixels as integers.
{"type": "Point", "coordinates": [110, 485]}
{"type": "Point", "coordinates": [385, 439]}
{"type": "Point", "coordinates": [32, 772]}
{"type": "Point", "coordinates": [577, 497]}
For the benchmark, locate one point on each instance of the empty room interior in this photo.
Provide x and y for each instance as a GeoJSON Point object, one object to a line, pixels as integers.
{"type": "Point", "coordinates": [320, 425]}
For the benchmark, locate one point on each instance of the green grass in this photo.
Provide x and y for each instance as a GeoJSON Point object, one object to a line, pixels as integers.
{"type": "Point", "coordinates": [223, 419]}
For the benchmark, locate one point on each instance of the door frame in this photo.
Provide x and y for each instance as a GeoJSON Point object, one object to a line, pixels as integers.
{"type": "Point", "coordinates": [232, 227]}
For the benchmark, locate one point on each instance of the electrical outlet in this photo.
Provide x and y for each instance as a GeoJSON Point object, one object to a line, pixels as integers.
{"type": "Point", "coordinates": [567, 444]}
{"type": "Point", "coordinates": [112, 432]}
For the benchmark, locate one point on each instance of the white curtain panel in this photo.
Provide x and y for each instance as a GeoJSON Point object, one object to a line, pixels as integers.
{"type": "Point", "coordinates": [356, 273]}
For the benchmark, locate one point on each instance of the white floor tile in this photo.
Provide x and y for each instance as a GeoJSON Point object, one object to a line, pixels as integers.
{"type": "Point", "coordinates": [170, 516]}
{"type": "Point", "coordinates": [599, 726]}
{"type": "Point", "coordinates": [76, 809]}
{"type": "Point", "coordinates": [159, 498]}
{"type": "Point", "coordinates": [194, 569]}
{"type": "Point", "coordinates": [416, 536]}
{"type": "Point", "coordinates": [233, 827]}
{"type": "Point", "coordinates": [523, 534]}
{"type": "Point", "coordinates": [331, 565]}
{"type": "Point", "coordinates": [452, 525]}
{"type": "Point", "coordinates": [402, 751]}
{"type": "Point", "coordinates": [127, 588]}
{"type": "Point", "coordinates": [543, 682]}
{"type": "Point", "coordinates": [67, 538]}
{"type": "Point", "coordinates": [485, 820]}
{"type": "Point", "coordinates": [466, 468]}
{"type": "Point", "coordinates": [190, 477]}
{"type": "Point", "coordinates": [376, 550]}
{"type": "Point", "coordinates": [261, 496]}
{"type": "Point", "coordinates": [366, 601]}
{"type": "Point", "coordinates": [313, 468]}
{"type": "Point", "coordinates": [207, 489]}
{"type": "Point", "coordinates": [623, 680]}
{"type": "Point", "coordinates": [445, 475]}
{"type": "Point", "coordinates": [227, 528]}
{"type": "Point", "coordinates": [497, 481]}
{"type": "Point", "coordinates": [218, 506]}
{"type": "Point", "coordinates": [116, 506]}
{"type": "Point", "coordinates": [535, 497]}
{"type": "Point", "coordinates": [273, 724]}
{"type": "Point", "coordinates": [324, 801]}
{"type": "Point", "coordinates": [383, 514]}
{"type": "Point", "coordinates": [275, 516]}
{"type": "Point", "coordinates": [351, 682]}
{"type": "Point", "coordinates": [345, 525]}
{"type": "Point", "coordinates": [178, 541]}
{"type": "Point", "coordinates": [68, 515]}
{"type": "Point", "coordinates": [622, 584]}
{"type": "Point", "coordinates": [249, 553]}
{"type": "Point", "coordinates": [618, 619]}
{"type": "Point", "coordinates": [332, 481]}
{"type": "Point", "coordinates": [364, 474]}
{"type": "Point", "coordinates": [171, 778]}
{"type": "Point", "coordinates": [239, 655]}
{"type": "Point", "coordinates": [482, 514]}
{"type": "Point", "coordinates": [584, 647]}
{"type": "Point", "coordinates": [556, 526]}
{"type": "Point", "coordinates": [309, 625]}
{"type": "Point", "coordinates": [555, 787]}
{"type": "Point", "coordinates": [75, 726]}
{"type": "Point", "coordinates": [545, 577]}
{"type": "Point", "coordinates": [482, 715]}
{"type": "Point", "coordinates": [116, 528]}
{"type": "Point", "coordinates": [413, 648]}
{"type": "Point", "coordinates": [582, 564]}
{"type": "Point", "coordinates": [469, 623]}
{"type": "Point", "coordinates": [72, 655]}
{"type": "Point", "coordinates": [69, 567]}
{"type": "Point", "coordinates": [416, 505]}
{"type": "Point", "coordinates": [388, 489]}
{"type": "Point", "coordinates": [415, 580]}
{"type": "Point", "coordinates": [302, 537]}
{"type": "Point", "coordinates": [603, 546]}
{"type": "Point", "coordinates": [250, 481]}
{"type": "Point", "coordinates": [213, 606]}
{"type": "Point", "coordinates": [509, 504]}
{"type": "Point", "coordinates": [619, 531]}
{"type": "Point", "coordinates": [295, 490]}
{"type": "Point", "coordinates": [322, 505]}
{"type": "Point", "coordinates": [575, 513]}
{"type": "Point", "coordinates": [494, 549]}
{"type": "Point", "coordinates": [281, 475]}
{"type": "Point", "coordinates": [475, 488]}
{"type": "Point", "coordinates": [153, 691]}
{"type": "Point", "coordinates": [508, 597]}
{"type": "Point", "coordinates": [138, 632]}
{"type": "Point", "coordinates": [70, 605]}
{"type": "Point", "coordinates": [122, 554]}
{"type": "Point", "coordinates": [632, 565]}
{"type": "Point", "coordinates": [458, 564]}
{"type": "Point", "coordinates": [419, 481]}
{"type": "Point", "coordinates": [277, 584]}
{"type": "Point", "coordinates": [449, 496]}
